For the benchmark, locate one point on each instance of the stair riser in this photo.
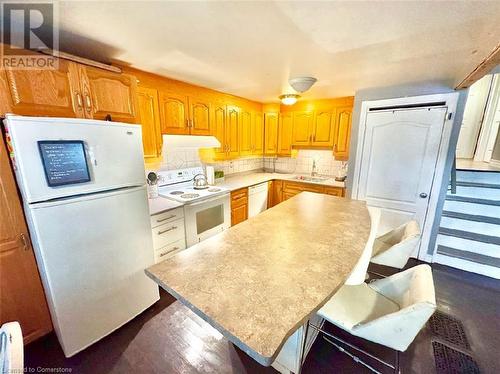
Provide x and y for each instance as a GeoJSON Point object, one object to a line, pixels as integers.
{"type": "Point", "coordinates": [479, 192]}
{"type": "Point", "coordinates": [471, 226]}
{"type": "Point", "coordinates": [478, 177]}
{"type": "Point", "coordinates": [470, 208]}
{"type": "Point", "coordinates": [486, 249]}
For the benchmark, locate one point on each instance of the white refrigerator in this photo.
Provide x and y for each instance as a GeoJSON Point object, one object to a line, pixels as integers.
{"type": "Point", "coordinates": [85, 201]}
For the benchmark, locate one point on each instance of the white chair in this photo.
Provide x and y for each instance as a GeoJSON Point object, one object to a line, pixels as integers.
{"type": "Point", "coordinates": [395, 247]}
{"type": "Point", "coordinates": [11, 348]}
{"type": "Point", "coordinates": [389, 311]}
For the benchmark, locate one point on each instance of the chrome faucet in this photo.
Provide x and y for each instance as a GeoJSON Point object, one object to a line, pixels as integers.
{"type": "Point", "coordinates": [313, 171]}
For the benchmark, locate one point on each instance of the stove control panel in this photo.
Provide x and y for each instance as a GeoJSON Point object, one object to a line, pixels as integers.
{"type": "Point", "coordinates": [168, 177]}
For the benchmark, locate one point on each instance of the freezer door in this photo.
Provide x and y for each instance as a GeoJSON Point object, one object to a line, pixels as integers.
{"type": "Point", "coordinates": [92, 252]}
{"type": "Point", "coordinates": [113, 154]}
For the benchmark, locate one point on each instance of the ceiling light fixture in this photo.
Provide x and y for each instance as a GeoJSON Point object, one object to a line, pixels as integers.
{"type": "Point", "coordinates": [302, 84]}
{"type": "Point", "coordinates": [289, 99]}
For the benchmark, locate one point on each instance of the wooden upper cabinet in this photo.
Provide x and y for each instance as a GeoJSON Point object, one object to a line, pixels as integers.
{"type": "Point", "coordinates": [246, 125]}
{"type": "Point", "coordinates": [219, 130]}
{"type": "Point", "coordinates": [173, 113]}
{"type": "Point", "coordinates": [21, 294]}
{"type": "Point", "coordinates": [302, 128]}
{"type": "Point", "coordinates": [107, 93]}
{"type": "Point", "coordinates": [285, 134]}
{"type": "Point", "coordinates": [323, 128]}
{"type": "Point", "coordinates": [149, 114]}
{"type": "Point", "coordinates": [342, 133]}
{"type": "Point", "coordinates": [43, 92]}
{"type": "Point", "coordinates": [200, 118]}
{"type": "Point", "coordinates": [233, 130]}
{"type": "Point", "coordinates": [258, 134]}
{"type": "Point", "coordinates": [271, 133]}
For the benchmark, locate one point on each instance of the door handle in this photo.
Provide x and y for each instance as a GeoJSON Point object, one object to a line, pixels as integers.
{"type": "Point", "coordinates": [24, 241]}
{"type": "Point", "coordinates": [167, 230]}
{"type": "Point", "coordinates": [88, 103]}
{"type": "Point", "coordinates": [79, 100]}
{"type": "Point", "coordinates": [423, 195]}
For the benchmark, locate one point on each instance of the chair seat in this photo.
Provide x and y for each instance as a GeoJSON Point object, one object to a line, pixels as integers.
{"type": "Point", "coordinates": [352, 305]}
{"type": "Point", "coordinates": [379, 247]}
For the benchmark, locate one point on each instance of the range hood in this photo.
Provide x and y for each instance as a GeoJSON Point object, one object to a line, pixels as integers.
{"type": "Point", "coordinates": [189, 141]}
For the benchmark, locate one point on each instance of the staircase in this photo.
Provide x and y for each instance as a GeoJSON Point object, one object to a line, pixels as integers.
{"type": "Point", "coordinates": [469, 233]}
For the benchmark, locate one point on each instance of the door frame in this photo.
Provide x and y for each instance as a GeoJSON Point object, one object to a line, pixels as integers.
{"type": "Point", "coordinates": [450, 102]}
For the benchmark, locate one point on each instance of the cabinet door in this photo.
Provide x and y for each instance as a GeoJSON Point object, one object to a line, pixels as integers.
{"type": "Point", "coordinates": [149, 114]}
{"type": "Point", "coordinates": [233, 131]}
{"type": "Point", "coordinates": [246, 133]}
{"type": "Point", "coordinates": [342, 133]}
{"type": "Point", "coordinates": [302, 128]}
{"type": "Point", "coordinates": [108, 94]}
{"type": "Point", "coordinates": [53, 93]}
{"type": "Point", "coordinates": [219, 130]}
{"type": "Point", "coordinates": [285, 134]}
{"type": "Point", "coordinates": [323, 128]}
{"type": "Point", "coordinates": [239, 214]}
{"type": "Point", "coordinates": [258, 134]}
{"type": "Point", "coordinates": [277, 192]}
{"type": "Point", "coordinates": [335, 191]}
{"type": "Point", "coordinates": [200, 116]}
{"type": "Point", "coordinates": [173, 113]}
{"type": "Point", "coordinates": [271, 133]}
{"type": "Point", "coordinates": [21, 294]}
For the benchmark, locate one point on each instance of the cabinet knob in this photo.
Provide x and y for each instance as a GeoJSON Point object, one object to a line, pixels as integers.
{"type": "Point", "coordinates": [24, 241]}
{"type": "Point", "coordinates": [423, 195]}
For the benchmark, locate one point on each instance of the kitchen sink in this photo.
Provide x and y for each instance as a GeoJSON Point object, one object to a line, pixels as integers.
{"type": "Point", "coordinates": [310, 179]}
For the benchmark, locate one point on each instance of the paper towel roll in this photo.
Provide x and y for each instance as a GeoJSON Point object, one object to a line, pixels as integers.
{"type": "Point", "coordinates": [210, 175]}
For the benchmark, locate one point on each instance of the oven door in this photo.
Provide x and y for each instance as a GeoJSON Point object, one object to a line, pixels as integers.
{"type": "Point", "coordinates": [207, 218]}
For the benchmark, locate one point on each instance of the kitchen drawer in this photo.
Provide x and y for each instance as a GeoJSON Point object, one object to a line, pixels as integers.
{"type": "Point", "coordinates": [297, 186]}
{"type": "Point", "coordinates": [168, 233]}
{"type": "Point", "coordinates": [335, 191]}
{"type": "Point", "coordinates": [168, 216]}
{"type": "Point", "coordinates": [239, 197]}
{"type": "Point", "coordinates": [169, 250]}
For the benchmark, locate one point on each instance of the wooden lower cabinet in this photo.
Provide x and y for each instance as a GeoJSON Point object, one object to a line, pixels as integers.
{"type": "Point", "coordinates": [335, 191]}
{"type": "Point", "coordinates": [281, 190]}
{"type": "Point", "coordinates": [239, 206]}
{"type": "Point", "coordinates": [21, 293]}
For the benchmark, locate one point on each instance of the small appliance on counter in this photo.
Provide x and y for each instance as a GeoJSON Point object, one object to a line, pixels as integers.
{"type": "Point", "coordinates": [210, 172]}
{"type": "Point", "coordinates": [342, 173]}
{"type": "Point", "coordinates": [200, 182]}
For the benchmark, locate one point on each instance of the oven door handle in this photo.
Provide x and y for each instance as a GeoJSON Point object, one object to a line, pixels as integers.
{"type": "Point", "coordinates": [208, 200]}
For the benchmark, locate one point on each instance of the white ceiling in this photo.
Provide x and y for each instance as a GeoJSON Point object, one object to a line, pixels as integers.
{"type": "Point", "coordinates": [250, 49]}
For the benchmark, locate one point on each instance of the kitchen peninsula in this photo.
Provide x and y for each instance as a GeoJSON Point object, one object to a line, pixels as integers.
{"type": "Point", "coordinates": [260, 281]}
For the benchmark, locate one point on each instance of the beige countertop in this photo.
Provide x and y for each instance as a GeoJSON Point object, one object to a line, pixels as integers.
{"type": "Point", "coordinates": [162, 204]}
{"type": "Point", "coordinates": [262, 279]}
{"type": "Point", "coordinates": [234, 182]}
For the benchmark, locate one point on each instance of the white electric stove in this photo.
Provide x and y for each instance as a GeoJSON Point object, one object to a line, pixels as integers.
{"type": "Point", "coordinates": [207, 211]}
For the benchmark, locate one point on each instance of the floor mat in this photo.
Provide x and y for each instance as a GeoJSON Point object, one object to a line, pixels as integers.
{"type": "Point", "coordinates": [451, 361]}
{"type": "Point", "coordinates": [449, 329]}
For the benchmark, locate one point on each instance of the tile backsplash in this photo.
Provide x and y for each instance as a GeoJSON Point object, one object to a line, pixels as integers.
{"type": "Point", "coordinates": [302, 164]}
{"type": "Point", "coordinates": [179, 158]}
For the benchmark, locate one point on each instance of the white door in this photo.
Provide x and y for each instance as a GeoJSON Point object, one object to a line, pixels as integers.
{"type": "Point", "coordinates": [398, 161]}
{"type": "Point", "coordinates": [92, 251]}
{"type": "Point", "coordinates": [473, 116]}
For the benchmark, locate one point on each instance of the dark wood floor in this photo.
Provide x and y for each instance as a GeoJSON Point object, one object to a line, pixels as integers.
{"type": "Point", "coordinates": [169, 338]}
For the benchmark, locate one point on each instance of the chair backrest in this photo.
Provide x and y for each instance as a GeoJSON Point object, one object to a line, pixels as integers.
{"type": "Point", "coordinates": [11, 348]}
{"type": "Point", "coordinates": [358, 274]}
{"type": "Point", "coordinates": [413, 291]}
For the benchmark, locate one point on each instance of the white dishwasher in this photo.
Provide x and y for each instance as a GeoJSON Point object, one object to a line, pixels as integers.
{"type": "Point", "coordinates": [257, 199]}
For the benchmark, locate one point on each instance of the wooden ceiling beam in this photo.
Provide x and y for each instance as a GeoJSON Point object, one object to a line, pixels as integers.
{"type": "Point", "coordinates": [488, 64]}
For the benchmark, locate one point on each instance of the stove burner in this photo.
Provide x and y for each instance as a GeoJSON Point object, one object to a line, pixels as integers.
{"type": "Point", "coordinates": [176, 192]}
{"type": "Point", "coordinates": [190, 195]}
{"type": "Point", "coordinates": [213, 189]}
